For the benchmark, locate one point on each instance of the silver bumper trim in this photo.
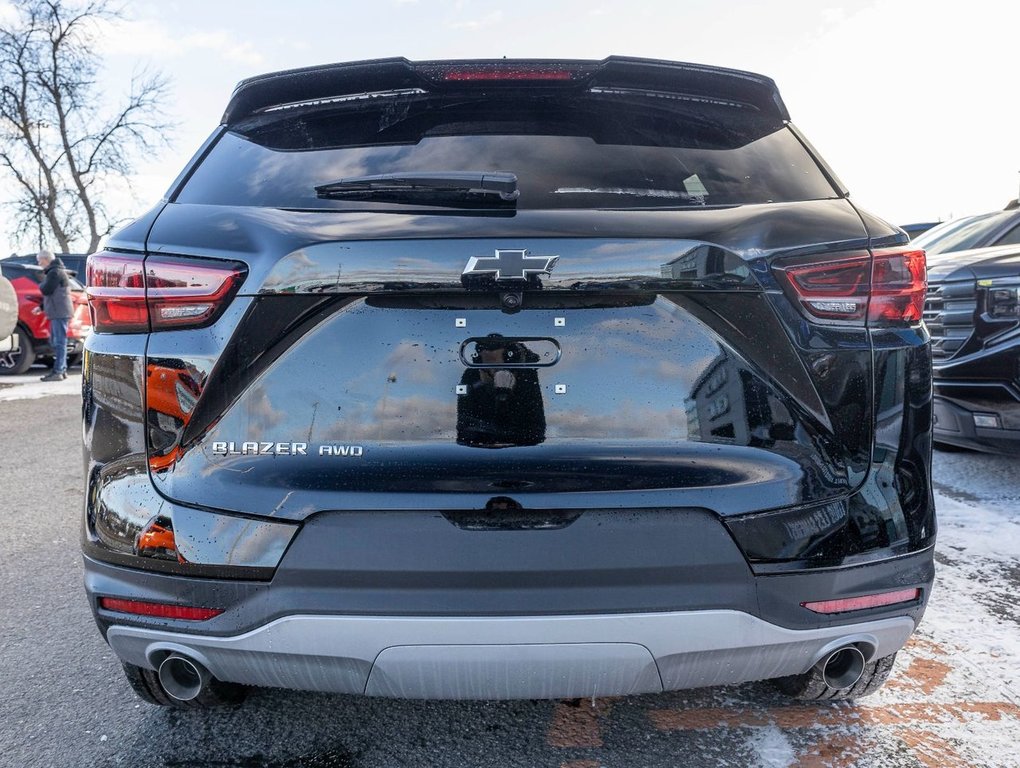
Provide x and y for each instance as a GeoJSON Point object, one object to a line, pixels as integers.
{"type": "Point", "coordinates": [525, 657]}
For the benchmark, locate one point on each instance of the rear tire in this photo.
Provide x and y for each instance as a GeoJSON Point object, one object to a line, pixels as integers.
{"type": "Point", "coordinates": [14, 363]}
{"type": "Point", "coordinates": [809, 686]}
{"type": "Point", "coordinates": [145, 682]}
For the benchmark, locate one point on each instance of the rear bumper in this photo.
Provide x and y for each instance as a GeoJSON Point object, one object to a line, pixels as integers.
{"type": "Point", "coordinates": [419, 564]}
{"type": "Point", "coordinates": [519, 657]}
{"type": "Point", "coordinates": [311, 636]}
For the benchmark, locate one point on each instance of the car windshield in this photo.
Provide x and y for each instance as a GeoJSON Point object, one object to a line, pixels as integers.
{"type": "Point", "coordinates": [961, 234]}
{"type": "Point", "coordinates": [589, 151]}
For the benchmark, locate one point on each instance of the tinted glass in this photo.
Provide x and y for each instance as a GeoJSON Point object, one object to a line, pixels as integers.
{"type": "Point", "coordinates": [577, 153]}
{"type": "Point", "coordinates": [12, 271]}
{"type": "Point", "coordinates": [1010, 238]}
{"type": "Point", "coordinates": [972, 232]}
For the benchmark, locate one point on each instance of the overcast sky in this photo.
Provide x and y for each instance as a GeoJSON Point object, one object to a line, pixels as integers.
{"type": "Point", "coordinates": [912, 103]}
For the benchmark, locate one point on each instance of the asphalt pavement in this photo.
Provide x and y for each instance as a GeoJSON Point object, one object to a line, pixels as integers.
{"type": "Point", "coordinates": [954, 699]}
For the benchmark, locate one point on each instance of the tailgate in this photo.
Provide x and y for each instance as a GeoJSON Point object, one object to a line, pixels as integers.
{"type": "Point", "coordinates": [395, 374]}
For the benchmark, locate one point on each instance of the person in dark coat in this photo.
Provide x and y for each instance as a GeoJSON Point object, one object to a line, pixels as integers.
{"type": "Point", "coordinates": [500, 407]}
{"type": "Point", "coordinates": [56, 291]}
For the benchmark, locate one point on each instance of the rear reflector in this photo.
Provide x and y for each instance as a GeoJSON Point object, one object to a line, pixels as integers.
{"type": "Point", "coordinates": [129, 295]}
{"type": "Point", "coordinates": [861, 603]}
{"type": "Point", "coordinates": [886, 288]}
{"type": "Point", "coordinates": [160, 610]}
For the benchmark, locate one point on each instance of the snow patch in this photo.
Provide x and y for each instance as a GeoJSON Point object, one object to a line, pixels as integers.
{"type": "Point", "coordinates": [772, 748]}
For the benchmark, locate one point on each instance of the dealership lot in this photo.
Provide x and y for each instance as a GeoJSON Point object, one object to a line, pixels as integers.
{"type": "Point", "coordinates": [953, 699]}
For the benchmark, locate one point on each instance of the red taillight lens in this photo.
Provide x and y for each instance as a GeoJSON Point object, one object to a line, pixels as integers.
{"type": "Point", "coordinates": [129, 295]}
{"type": "Point", "coordinates": [116, 292]}
{"type": "Point", "coordinates": [899, 282]}
{"type": "Point", "coordinates": [160, 610]}
{"type": "Point", "coordinates": [836, 290]}
{"type": "Point", "coordinates": [188, 292]}
{"type": "Point", "coordinates": [886, 288]}
{"type": "Point", "coordinates": [866, 601]}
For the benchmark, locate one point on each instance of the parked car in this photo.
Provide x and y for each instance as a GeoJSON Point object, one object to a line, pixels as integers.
{"type": "Point", "coordinates": [507, 379]}
{"type": "Point", "coordinates": [74, 263]}
{"type": "Point", "coordinates": [973, 313]}
{"type": "Point", "coordinates": [32, 333]}
{"type": "Point", "coordinates": [916, 230]}
{"type": "Point", "coordinates": [982, 231]}
{"type": "Point", "coordinates": [8, 317]}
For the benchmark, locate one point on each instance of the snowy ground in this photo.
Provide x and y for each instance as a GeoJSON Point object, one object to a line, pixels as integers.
{"type": "Point", "coordinates": [954, 697]}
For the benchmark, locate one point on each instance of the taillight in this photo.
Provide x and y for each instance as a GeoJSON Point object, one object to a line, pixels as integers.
{"type": "Point", "coordinates": [129, 295]}
{"type": "Point", "coordinates": [884, 288]}
{"type": "Point", "coordinates": [116, 292]}
{"type": "Point", "coordinates": [899, 282]}
{"type": "Point", "coordinates": [188, 292]}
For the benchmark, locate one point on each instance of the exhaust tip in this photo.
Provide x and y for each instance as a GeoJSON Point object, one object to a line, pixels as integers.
{"type": "Point", "coordinates": [182, 678]}
{"type": "Point", "coordinates": [843, 667]}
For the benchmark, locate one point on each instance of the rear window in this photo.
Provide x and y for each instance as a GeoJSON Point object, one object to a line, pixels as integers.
{"type": "Point", "coordinates": [13, 271]}
{"type": "Point", "coordinates": [587, 151]}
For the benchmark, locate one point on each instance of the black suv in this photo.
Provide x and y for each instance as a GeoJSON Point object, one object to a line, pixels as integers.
{"type": "Point", "coordinates": [973, 313]}
{"type": "Point", "coordinates": [507, 379]}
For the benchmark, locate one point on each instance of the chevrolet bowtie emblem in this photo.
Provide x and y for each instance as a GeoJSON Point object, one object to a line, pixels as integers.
{"type": "Point", "coordinates": [509, 265]}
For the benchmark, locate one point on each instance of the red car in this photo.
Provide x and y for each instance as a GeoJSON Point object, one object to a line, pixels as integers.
{"type": "Point", "coordinates": [32, 335]}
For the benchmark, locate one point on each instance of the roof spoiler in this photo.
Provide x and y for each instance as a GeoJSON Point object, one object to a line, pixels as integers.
{"type": "Point", "coordinates": [335, 81]}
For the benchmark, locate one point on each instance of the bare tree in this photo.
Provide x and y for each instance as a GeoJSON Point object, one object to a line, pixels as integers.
{"type": "Point", "coordinates": [58, 141]}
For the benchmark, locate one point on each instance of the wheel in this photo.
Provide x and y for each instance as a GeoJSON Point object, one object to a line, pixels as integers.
{"type": "Point", "coordinates": [145, 683]}
{"type": "Point", "coordinates": [810, 687]}
{"type": "Point", "coordinates": [19, 359]}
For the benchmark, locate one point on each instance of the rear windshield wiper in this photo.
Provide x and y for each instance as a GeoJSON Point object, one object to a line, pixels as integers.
{"type": "Point", "coordinates": [429, 187]}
